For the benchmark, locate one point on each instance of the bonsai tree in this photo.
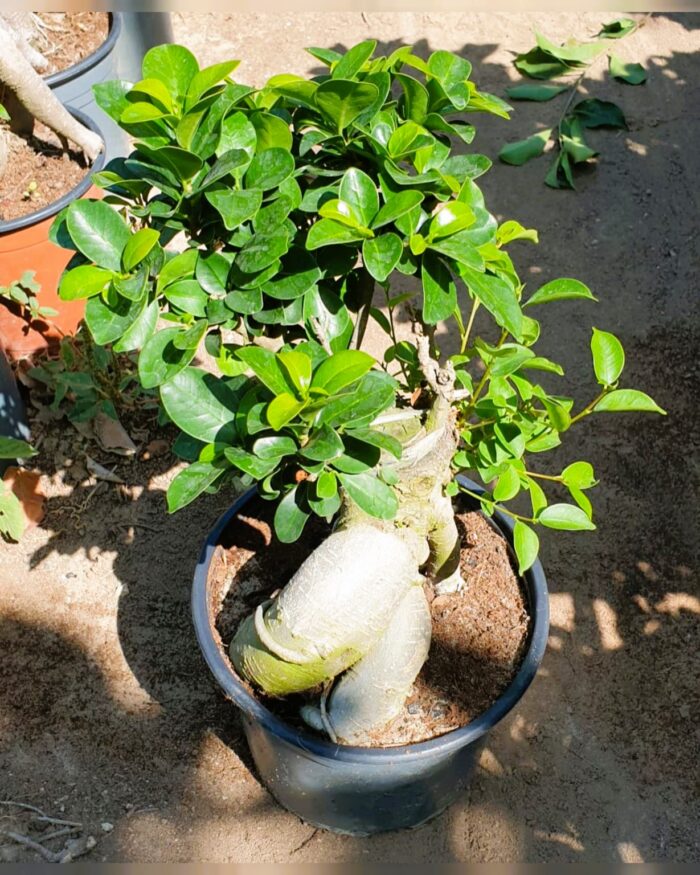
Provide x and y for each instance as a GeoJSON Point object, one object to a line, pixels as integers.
{"type": "Point", "coordinates": [25, 96]}
{"type": "Point", "coordinates": [293, 212]}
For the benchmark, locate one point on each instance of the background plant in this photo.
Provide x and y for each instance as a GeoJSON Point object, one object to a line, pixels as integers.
{"type": "Point", "coordinates": [297, 202]}
{"type": "Point", "coordinates": [12, 517]}
{"type": "Point", "coordinates": [572, 59]}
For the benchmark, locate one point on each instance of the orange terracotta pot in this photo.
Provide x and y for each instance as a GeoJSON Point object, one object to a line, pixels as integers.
{"type": "Point", "coordinates": [25, 246]}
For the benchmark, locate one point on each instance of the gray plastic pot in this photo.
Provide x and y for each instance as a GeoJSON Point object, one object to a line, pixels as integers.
{"type": "Point", "coordinates": [131, 35]}
{"type": "Point", "coordinates": [356, 790]}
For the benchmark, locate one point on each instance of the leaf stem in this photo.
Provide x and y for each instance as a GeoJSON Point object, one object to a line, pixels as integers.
{"type": "Point", "coordinates": [501, 507]}
{"type": "Point", "coordinates": [589, 407]}
{"type": "Point", "coordinates": [470, 323]}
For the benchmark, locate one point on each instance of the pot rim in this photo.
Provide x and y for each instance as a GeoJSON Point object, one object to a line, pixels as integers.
{"type": "Point", "coordinates": [60, 77]}
{"type": "Point", "coordinates": [222, 669]}
{"type": "Point", "coordinates": [76, 192]}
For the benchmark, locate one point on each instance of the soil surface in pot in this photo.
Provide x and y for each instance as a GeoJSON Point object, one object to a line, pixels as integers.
{"type": "Point", "coordinates": [64, 38]}
{"type": "Point", "coordinates": [479, 635]}
{"type": "Point", "coordinates": [38, 173]}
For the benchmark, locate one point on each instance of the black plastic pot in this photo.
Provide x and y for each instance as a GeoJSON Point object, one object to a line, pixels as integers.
{"type": "Point", "coordinates": [13, 416]}
{"type": "Point", "coordinates": [130, 36]}
{"type": "Point", "coordinates": [356, 790]}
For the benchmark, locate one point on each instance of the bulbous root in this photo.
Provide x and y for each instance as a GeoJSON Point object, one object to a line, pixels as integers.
{"type": "Point", "coordinates": [28, 90]}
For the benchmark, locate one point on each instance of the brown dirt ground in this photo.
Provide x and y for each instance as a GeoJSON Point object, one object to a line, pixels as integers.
{"type": "Point", "coordinates": [68, 37]}
{"type": "Point", "coordinates": [107, 713]}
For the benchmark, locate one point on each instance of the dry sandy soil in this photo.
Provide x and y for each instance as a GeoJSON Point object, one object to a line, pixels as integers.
{"type": "Point", "coordinates": [107, 713]}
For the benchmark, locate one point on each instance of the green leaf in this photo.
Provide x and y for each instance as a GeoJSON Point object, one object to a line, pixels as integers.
{"type": "Point", "coordinates": [632, 74]}
{"type": "Point", "coordinates": [497, 296]}
{"type": "Point", "coordinates": [180, 266]}
{"type": "Point", "coordinates": [298, 368]}
{"type": "Point", "coordinates": [566, 517]}
{"type": "Point", "coordinates": [111, 97]}
{"type": "Point", "coordinates": [324, 311]}
{"type": "Point", "coordinates": [342, 101]}
{"type": "Point", "coordinates": [324, 445]}
{"type": "Point", "coordinates": [107, 322]}
{"type": "Point", "coordinates": [527, 546]}
{"type": "Point", "coordinates": [271, 132]}
{"type": "Point", "coordinates": [451, 72]}
{"type": "Point", "coordinates": [627, 400]}
{"type": "Point", "coordinates": [511, 230]}
{"type": "Point", "coordinates": [290, 518]}
{"type": "Point", "coordinates": [439, 290]}
{"type": "Point", "coordinates": [327, 232]}
{"type": "Point", "coordinates": [538, 64]}
{"type": "Point", "coordinates": [175, 66]}
{"type": "Point", "coordinates": [576, 53]}
{"type": "Point", "coordinates": [140, 330]}
{"type": "Point", "coordinates": [407, 139]}
{"type": "Point", "coordinates": [508, 485]}
{"type": "Point", "coordinates": [266, 367]}
{"type": "Point", "coordinates": [396, 206]}
{"type": "Point", "coordinates": [201, 404]}
{"type": "Point", "coordinates": [283, 409]}
{"type": "Point", "coordinates": [618, 28]}
{"type": "Point", "coordinates": [370, 494]}
{"type": "Point", "coordinates": [234, 207]}
{"type": "Point", "coordinates": [360, 191]}
{"type": "Point", "coordinates": [560, 290]}
{"type": "Point", "coordinates": [161, 360]}
{"type": "Point", "coordinates": [190, 483]}
{"type": "Point", "coordinates": [327, 485]}
{"type": "Point", "coordinates": [354, 60]}
{"type": "Point", "coordinates": [11, 515]}
{"type": "Point", "coordinates": [14, 448]}
{"type": "Point", "coordinates": [594, 113]}
{"type": "Point", "coordinates": [83, 281]}
{"type": "Point", "coordinates": [341, 369]}
{"type": "Point", "coordinates": [416, 98]}
{"type": "Point", "coordinates": [451, 218]}
{"type": "Point", "coordinates": [250, 464]}
{"type": "Point", "coordinates": [261, 251]}
{"type": "Point", "coordinates": [579, 475]}
{"type": "Point", "coordinates": [535, 92]}
{"type": "Point", "coordinates": [522, 151]}
{"type": "Point", "coordinates": [138, 246]}
{"type": "Point", "coordinates": [188, 296]}
{"type": "Point", "coordinates": [608, 357]}
{"type": "Point", "coordinates": [237, 132]}
{"type": "Point", "coordinates": [461, 248]}
{"type": "Point", "coordinates": [275, 447]}
{"type": "Point", "coordinates": [208, 78]}
{"type": "Point", "coordinates": [326, 56]}
{"type": "Point", "coordinates": [269, 168]}
{"type": "Point", "coordinates": [538, 499]}
{"type": "Point", "coordinates": [229, 162]}
{"type": "Point", "coordinates": [181, 162]}
{"type": "Point", "coordinates": [98, 231]}
{"type": "Point", "coordinates": [381, 255]}
{"type": "Point", "coordinates": [362, 402]}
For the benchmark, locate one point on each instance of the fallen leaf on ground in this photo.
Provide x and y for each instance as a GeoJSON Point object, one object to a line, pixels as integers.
{"type": "Point", "coordinates": [112, 436]}
{"type": "Point", "coordinates": [157, 447]}
{"type": "Point", "coordinates": [100, 472]}
{"type": "Point", "coordinates": [25, 485]}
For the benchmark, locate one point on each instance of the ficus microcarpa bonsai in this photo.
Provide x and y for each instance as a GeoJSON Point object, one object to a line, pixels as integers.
{"type": "Point", "coordinates": [270, 226]}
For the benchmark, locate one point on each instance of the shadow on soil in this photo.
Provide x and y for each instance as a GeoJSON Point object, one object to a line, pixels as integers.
{"type": "Point", "coordinates": [595, 763]}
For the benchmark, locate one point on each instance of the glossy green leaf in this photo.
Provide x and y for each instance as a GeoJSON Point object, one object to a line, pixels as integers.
{"type": "Point", "coordinates": [107, 322]}
{"type": "Point", "coordinates": [461, 248]}
{"type": "Point", "coordinates": [271, 132]}
{"type": "Point", "coordinates": [327, 485]}
{"type": "Point", "coordinates": [175, 66]}
{"type": "Point", "coordinates": [395, 207]}
{"type": "Point", "coordinates": [621, 400]}
{"type": "Point", "coordinates": [377, 439]}
{"type": "Point", "coordinates": [451, 218]}
{"type": "Point", "coordinates": [297, 366]}
{"type": "Point", "coordinates": [618, 28]}
{"type": "Point", "coordinates": [508, 485]}
{"type": "Point", "coordinates": [261, 251]}
{"type": "Point", "coordinates": [572, 52]}
{"type": "Point", "coordinates": [14, 448]}
{"type": "Point", "coordinates": [269, 168]}
{"type": "Point", "coordinates": [342, 101]}
{"type": "Point", "coordinates": [535, 92]}
{"type": "Point", "coordinates": [594, 113]}
{"type": "Point", "coordinates": [341, 369]}
{"type": "Point", "coordinates": [201, 404]}
{"type": "Point", "coordinates": [138, 246]}
{"type": "Point", "coordinates": [324, 445]}
{"type": "Point", "coordinates": [360, 403]}
{"type": "Point", "coordinates": [608, 357]}
{"type": "Point", "coordinates": [564, 289]}
{"type": "Point", "coordinates": [524, 150]}
{"type": "Point", "coordinates": [250, 464]}
{"type": "Point", "coordinates": [275, 447]}
{"type": "Point", "coordinates": [526, 544]}
{"type": "Point", "coordinates": [226, 165]}
{"type": "Point", "coordinates": [626, 71]}
{"type": "Point", "coordinates": [98, 231]}
{"type": "Point", "coordinates": [497, 296]}
{"type": "Point", "coordinates": [12, 520]}
{"type": "Point", "coordinates": [538, 64]}
{"type": "Point", "coordinates": [160, 360]}
{"type": "Point", "coordinates": [360, 191]}
{"type": "Point", "coordinates": [140, 330]}
{"type": "Point", "coordinates": [381, 255]}
{"type": "Point", "coordinates": [439, 290]}
{"type": "Point", "coordinates": [370, 494]}
{"type": "Point", "coordinates": [327, 232]}
{"type": "Point", "coordinates": [188, 296]}
{"type": "Point", "coordinates": [566, 517]}
{"type": "Point", "coordinates": [290, 518]}
{"type": "Point", "coordinates": [191, 482]}
{"type": "Point", "coordinates": [354, 60]}
{"type": "Point", "coordinates": [234, 207]}
{"type": "Point", "coordinates": [266, 367]}
{"type": "Point", "coordinates": [451, 71]}
{"type": "Point", "coordinates": [83, 281]}
{"type": "Point", "coordinates": [237, 132]}
{"type": "Point", "coordinates": [208, 78]}
{"type": "Point", "coordinates": [282, 409]}
{"type": "Point", "coordinates": [579, 474]}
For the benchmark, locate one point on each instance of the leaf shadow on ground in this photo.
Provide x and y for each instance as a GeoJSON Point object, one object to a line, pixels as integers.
{"type": "Point", "coordinates": [596, 762]}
